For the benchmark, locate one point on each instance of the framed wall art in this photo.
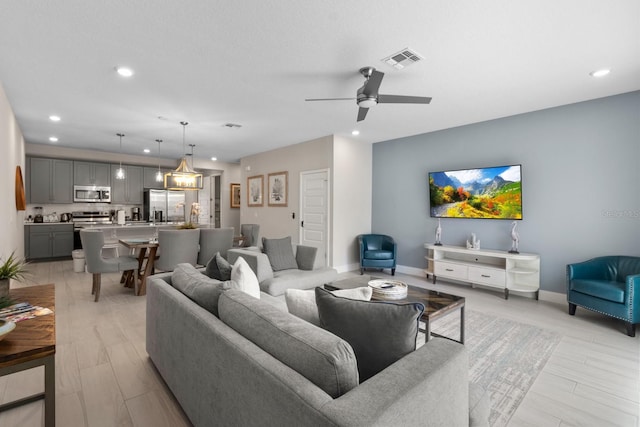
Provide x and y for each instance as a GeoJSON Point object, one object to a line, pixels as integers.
{"type": "Point", "coordinates": [278, 188]}
{"type": "Point", "coordinates": [235, 195]}
{"type": "Point", "coordinates": [255, 190]}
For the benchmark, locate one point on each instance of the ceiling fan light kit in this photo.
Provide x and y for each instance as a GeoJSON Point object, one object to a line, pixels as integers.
{"type": "Point", "coordinates": [367, 96]}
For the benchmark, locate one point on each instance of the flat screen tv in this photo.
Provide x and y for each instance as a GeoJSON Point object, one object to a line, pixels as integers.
{"type": "Point", "coordinates": [490, 193]}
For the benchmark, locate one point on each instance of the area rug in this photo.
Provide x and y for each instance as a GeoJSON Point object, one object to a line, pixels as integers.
{"type": "Point", "coordinates": [505, 357]}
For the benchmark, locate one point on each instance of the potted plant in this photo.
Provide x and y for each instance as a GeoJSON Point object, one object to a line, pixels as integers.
{"type": "Point", "coordinates": [11, 268]}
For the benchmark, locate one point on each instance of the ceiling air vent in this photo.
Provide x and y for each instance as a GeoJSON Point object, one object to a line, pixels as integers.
{"type": "Point", "coordinates": [402, 59]}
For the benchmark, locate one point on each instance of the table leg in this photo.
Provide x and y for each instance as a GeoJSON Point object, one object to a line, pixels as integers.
{"type": "Point", "coordinates": [50, 392]}
{"type": "Point", "coordinates": [462, 325]}
{"type": "Point", "coordinates": [148, 270]}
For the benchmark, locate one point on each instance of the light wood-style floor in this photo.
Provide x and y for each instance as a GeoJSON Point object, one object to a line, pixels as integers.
{"type": "Point", "coordinates": [105, 378]}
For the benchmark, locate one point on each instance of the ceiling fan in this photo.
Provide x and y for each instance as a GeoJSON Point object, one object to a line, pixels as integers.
{"type": "Point", "coordinates": [368, 96]}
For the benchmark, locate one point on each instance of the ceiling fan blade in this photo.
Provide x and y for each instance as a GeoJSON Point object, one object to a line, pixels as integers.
{"type": "Point", "coordinates": [362, 113]}
{"type": "Point", "coordinates": [372, 84]}
{"type": "Point", "coordinates": [330, 99]}
{"type": "Point", "coordinates": [401, 99]}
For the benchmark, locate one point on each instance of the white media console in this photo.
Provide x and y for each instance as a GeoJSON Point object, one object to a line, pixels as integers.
{"type": "Point", "coordinates": [495, 269]}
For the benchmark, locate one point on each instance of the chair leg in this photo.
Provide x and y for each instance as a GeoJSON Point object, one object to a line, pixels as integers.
{"type": "Point", "coordinates": [361, 271]}
{"type": "Point", "coordinates": [393, 271]}
{"type": "Point", "coordinates": [97, 277]}
{"type": "Point", "coordinates": [631, 329]}
{"type": "Point", "coordinates": [93, 284]}
{"type": "Point", "coordinates": [572, 309]}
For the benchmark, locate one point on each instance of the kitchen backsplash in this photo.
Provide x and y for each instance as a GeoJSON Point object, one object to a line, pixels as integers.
{"type": "Point", "coordinates": [73, 207]}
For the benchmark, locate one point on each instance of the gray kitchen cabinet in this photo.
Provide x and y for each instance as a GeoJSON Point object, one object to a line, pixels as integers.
{"type": "Point", "coordinates": [91, 173]}
{"type": "Point", "coordinates": [149, 180]}
{"type": "Point", "coordinates": [49, 241]}
{"type": "Point", "coordinates": [128, 190]}
{"type": "Point", "coordinates": [50, 180]}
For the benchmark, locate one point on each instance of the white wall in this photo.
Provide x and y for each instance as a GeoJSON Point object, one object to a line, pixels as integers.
{"type": "Point", "coordinates": [11, 155]}
{"type": "Point", "coordinates": [276, 222]}
{"type": "Point", "coordinates": [351, 202]}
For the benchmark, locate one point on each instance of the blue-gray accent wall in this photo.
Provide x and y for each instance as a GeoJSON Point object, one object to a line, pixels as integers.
{"type": "Point", "coordinates": [580, 184]}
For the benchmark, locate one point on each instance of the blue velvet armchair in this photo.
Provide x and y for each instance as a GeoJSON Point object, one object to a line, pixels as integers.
{"type": "Point", "coordinates": [377, 251]}
{"type": "Point", "coordinates": [609, 285]}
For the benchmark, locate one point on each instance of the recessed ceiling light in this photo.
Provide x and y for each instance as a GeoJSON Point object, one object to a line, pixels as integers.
{"type": "Point", "coordinates": [53, 139]}
{"type": "Point", "coordinates": [600, 73]}
{"type": "Point", "coordinates": [355, 132]}
{"type": "Point", "coordinates": [146, 150]}
{"type": "Point", "coordinates": [54, 118]}
{"type": "Point", "coordinates": [214, 158]}
{"type": "Point", "coordinates": [124, 71]}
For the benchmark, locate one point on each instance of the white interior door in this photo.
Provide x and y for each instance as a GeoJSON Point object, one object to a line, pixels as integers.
{"type": "Point", "coordinates": [314, 213]}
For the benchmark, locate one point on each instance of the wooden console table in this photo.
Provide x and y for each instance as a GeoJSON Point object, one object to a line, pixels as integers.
{"type": "Point", "coordinates": [31, 344]}
{"type": "Point", "coordinates": [494, 269]}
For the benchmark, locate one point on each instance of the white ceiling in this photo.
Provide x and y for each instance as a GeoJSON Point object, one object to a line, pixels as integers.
{"type": "Point", "coordinates": [211, 62]}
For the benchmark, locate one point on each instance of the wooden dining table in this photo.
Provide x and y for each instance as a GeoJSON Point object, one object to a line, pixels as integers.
{"type": "Point", "coordinates": [146, 260]}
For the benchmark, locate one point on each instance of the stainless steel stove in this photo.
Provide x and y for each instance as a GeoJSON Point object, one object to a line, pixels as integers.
{"type": "Point", "coordinates": [83, 218]}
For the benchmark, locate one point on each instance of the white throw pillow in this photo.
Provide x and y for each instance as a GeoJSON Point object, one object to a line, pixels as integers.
{"type": "Point", "coordinates": [243, 278]}
{"type": "Point", "coordinates": [302, 303]}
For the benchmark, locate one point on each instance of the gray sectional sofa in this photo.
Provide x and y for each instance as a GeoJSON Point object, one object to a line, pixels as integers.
{"type": "Point", "coordinates": [256, 365]}
{"type": "Point", "coordinates": [305, 276]}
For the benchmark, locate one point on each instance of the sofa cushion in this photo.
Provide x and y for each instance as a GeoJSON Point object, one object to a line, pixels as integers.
{"type": "Point", "coordinates": [280, 253]}
{"type": "Point", "coordinates": [379, 332]}
{"type": "Point", "coordinates": [298, 279]}
{"type": "Point", "coordinates": [378, 254]}
{"type": "Point", "coordinates": [302, 303]}
{"type": "Point", "coordinates": [218, 268]}
{"type": "Point", "coordinates": [201, 289]}
{"type": "Point", "coordinates": [306, 257]}
{"type": "Point", "coordinates": [244, 279]}
{"type": "Point", "coordinates": [603, 289]}
{"type": "Point", "coordinates": [318, 355]}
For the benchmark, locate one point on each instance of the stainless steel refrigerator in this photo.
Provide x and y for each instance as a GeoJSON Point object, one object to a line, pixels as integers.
{"type": "Point", "coordinates": [164, 205]}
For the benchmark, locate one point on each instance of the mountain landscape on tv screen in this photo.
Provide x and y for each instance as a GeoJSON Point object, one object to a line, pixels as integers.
{"type": "Point", "coordinates": [494, 193]}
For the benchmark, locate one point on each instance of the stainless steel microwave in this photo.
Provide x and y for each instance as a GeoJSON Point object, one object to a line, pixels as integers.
{"type": "Point", "coordinates": [91, 193]}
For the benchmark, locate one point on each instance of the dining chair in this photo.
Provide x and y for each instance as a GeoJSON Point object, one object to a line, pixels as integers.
{"type": "Point", "coordinates": [92, 244]}
{"type": "Point", "coordinates": [176, 247]}
{"type": "Point", "coordinates": [213, 240]}
{"type": "Point", "coordinates": [250, 233]}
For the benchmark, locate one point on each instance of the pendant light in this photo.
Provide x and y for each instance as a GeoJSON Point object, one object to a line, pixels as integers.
{"type": "Point", "coordinates": [159, 176]}
{"type": "Point", "coordinates": [120, 172]}
{"type": "Point", "coordinates": [184, 177]}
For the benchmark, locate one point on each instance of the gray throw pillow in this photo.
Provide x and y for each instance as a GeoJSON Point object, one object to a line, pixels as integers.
{"type": "Point", "coordinates": [280, 253]}
{"type": "Point", "coordinates": [199, 288]}
{"type": "Point", "coordinates": [218, 268]}
{"type": "Point", "coordinates": [380, 333]}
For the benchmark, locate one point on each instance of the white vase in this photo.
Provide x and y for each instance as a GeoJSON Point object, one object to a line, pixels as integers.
{"type": "Point", "coordinates": [4, 288]}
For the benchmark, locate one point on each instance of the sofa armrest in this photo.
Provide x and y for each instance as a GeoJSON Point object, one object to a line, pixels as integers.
{"type": "Point", "coordinates": [429, 385]}
{"type": "Point", "coordinates": [306, 257]}
{"type": "Point", "coordinates": [258, 262]}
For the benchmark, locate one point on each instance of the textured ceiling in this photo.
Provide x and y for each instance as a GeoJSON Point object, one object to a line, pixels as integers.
{"type": "Point", "coordinates": [253, 63]}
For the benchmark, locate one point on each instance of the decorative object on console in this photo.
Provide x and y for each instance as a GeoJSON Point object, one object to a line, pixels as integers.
{"type": "Point", "coordinates": [184, 177]}
{"type": "Point", "coordinates": [490, 193]}
{"type": "Point", "coordinates": [515, 237]}
{"type": "Point", "coordinates": [474, 243]}
{"type": "Point", "coordinates": [255, 186]}
{"type": "Point", "coordinates": [11, 268]}
{"type": "Point", "coordinates": [278, 188]}
{"type": "Point", "coordinates": [438, 234]}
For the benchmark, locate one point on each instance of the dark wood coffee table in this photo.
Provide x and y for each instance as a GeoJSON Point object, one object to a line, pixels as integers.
{"type": "Point", "coordinates": [33, 343]}
{"type": "Point", "coordinates": [436, 304]}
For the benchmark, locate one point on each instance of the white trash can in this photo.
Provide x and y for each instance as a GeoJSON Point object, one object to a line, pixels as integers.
{"type": "Point", "coordinates": [78, 260]}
